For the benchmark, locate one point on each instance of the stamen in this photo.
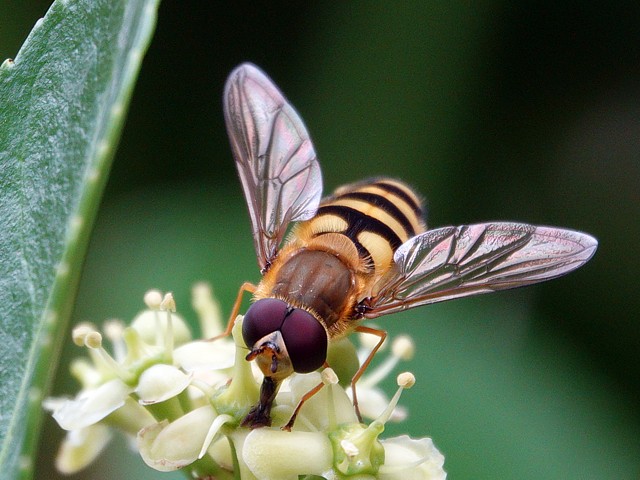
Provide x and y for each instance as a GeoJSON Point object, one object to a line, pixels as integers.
{"type": "Point", "coordinates": [114, 330]}
{"type": "Point", "coordinates": [168, 304]}
{"type": "Point", "coordinates": [83, 371]}
{"type": "Point", "coordinates": [404, 380]}
{"type": "Point", "coordinates": [153, 299]}
{"type": "Point", "coordinates": [329, 378]}
{"type": "Point", "coordinates": [80, 332]}
{"type": "Point", "coordinates": [403, 348]}
{"type": "Point", "coordinates": [93, 341]}
{"type": "Point", "coordinates": [135, 346]}
{"type": "Point", "coordinates": [208, 309]}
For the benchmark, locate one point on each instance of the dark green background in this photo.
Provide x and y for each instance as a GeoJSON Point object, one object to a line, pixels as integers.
{"type": "Point", "coordinates": [498, 111]}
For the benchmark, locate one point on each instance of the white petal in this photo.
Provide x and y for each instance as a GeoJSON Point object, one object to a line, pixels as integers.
{"type": "Point", "coordinates": [161, 382]}
{"type": "Point", "coordinates": [273, 454]}
{"type": "Point", "coordinates": [81, 447]}
{"type": "Point", "coordinates": [204, 355]}
{"type": "Point", "coordinates": [326, 409]}
{"type": "Point", "coordinates": [93, 405]}
{"type": "Point", "coordinates": [131, 417]}
{"type": "Point", "coordinates": [220, 451]}
{"type": "Point", "coordinates": [213, 378]}
{"type": "Point", "coordinates": [51, 404]}
{"type": "Point", "coordinates": [170, 446]}
{"type": "Point", "coordinates": [409, 459]}
{"type": "Point", "coordinates": [215, 427]}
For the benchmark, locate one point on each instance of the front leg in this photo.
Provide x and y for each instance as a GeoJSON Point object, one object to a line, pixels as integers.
{"type": "Point", "coordinates": [245, 287]}
{"type": "Point", "coordinates": [380, 334]}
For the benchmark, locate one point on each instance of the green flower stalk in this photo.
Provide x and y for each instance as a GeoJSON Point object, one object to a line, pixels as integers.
{"type": "Point", "coordinates": [182, 401]}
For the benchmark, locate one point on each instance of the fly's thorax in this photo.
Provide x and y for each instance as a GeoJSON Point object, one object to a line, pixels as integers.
{"type": "Point", "coordinates": [316, 280]}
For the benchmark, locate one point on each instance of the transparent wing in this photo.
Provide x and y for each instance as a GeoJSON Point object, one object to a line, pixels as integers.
{"type": "Point", "coordinates": [276, 161]}
{"type": "Point", "coordinates": [453, 262]}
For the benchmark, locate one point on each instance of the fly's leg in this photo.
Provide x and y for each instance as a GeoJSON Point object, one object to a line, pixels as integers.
{"type": "Point", "coordinates": [382, 335]}
{"type": "Point", "coordinates": [302, 401]}
{"type": "Point", "coordinates": [245, 287]}
{"type": "Point", "coordinates": [304, 398]}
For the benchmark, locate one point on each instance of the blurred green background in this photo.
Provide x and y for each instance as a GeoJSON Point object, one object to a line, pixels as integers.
{"type": "Point", "coordinates": [499, 111]}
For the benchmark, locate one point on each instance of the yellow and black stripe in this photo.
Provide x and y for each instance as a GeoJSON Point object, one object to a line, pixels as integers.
{"type": "Point", "coordinates": [377, 215]}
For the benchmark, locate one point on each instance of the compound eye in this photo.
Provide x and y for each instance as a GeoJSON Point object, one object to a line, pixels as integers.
{"type": "Point", "coordinates": [262, 318]}
{"type": "Point", "coordinates": [306, 341]}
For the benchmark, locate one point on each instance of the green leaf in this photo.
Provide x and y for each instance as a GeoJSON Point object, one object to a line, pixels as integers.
{"type": "Point", "coordinates": [62, 106]}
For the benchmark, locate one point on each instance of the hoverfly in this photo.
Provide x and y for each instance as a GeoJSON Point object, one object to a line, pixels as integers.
{"type": "Point", "coordinates": [358, 254]}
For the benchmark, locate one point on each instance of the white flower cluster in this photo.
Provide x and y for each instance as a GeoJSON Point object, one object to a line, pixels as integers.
{"type": "Point", "coordinates": [183, 401]}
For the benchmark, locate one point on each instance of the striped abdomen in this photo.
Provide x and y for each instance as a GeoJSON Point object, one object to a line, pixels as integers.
{"type": "Point", "coordinates": [377, 216]}
{"type": "Point", "coordinates": [333, 260]}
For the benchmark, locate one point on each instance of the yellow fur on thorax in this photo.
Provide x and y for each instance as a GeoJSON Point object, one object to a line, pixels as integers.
{"type": "Point", "coordinates": [300, 239]}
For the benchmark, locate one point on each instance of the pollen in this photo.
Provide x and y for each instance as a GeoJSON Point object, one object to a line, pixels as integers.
{"type": "Point", "coordinates": [329, 377]}
{"type": "Point", "coordinates": [93, 340]}
{"type": "Point", "coordinates": [406, 380]}
{"type": "Point", "coordinates": [153, 299]}
{"type": "Point", "coordinates": [80, 332]}
{"type": "Point", "coordinates": [168, 303]}
{"type": "Point", "coordinates": [349, 448]}
{"type": "Point", "coordinates": [403, 347]}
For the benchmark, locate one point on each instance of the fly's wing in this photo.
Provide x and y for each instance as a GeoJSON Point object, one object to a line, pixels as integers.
{"type": "Point", "coordinates": [453, 262]}
{"type": "Point", "coordinates": [276, 161]}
